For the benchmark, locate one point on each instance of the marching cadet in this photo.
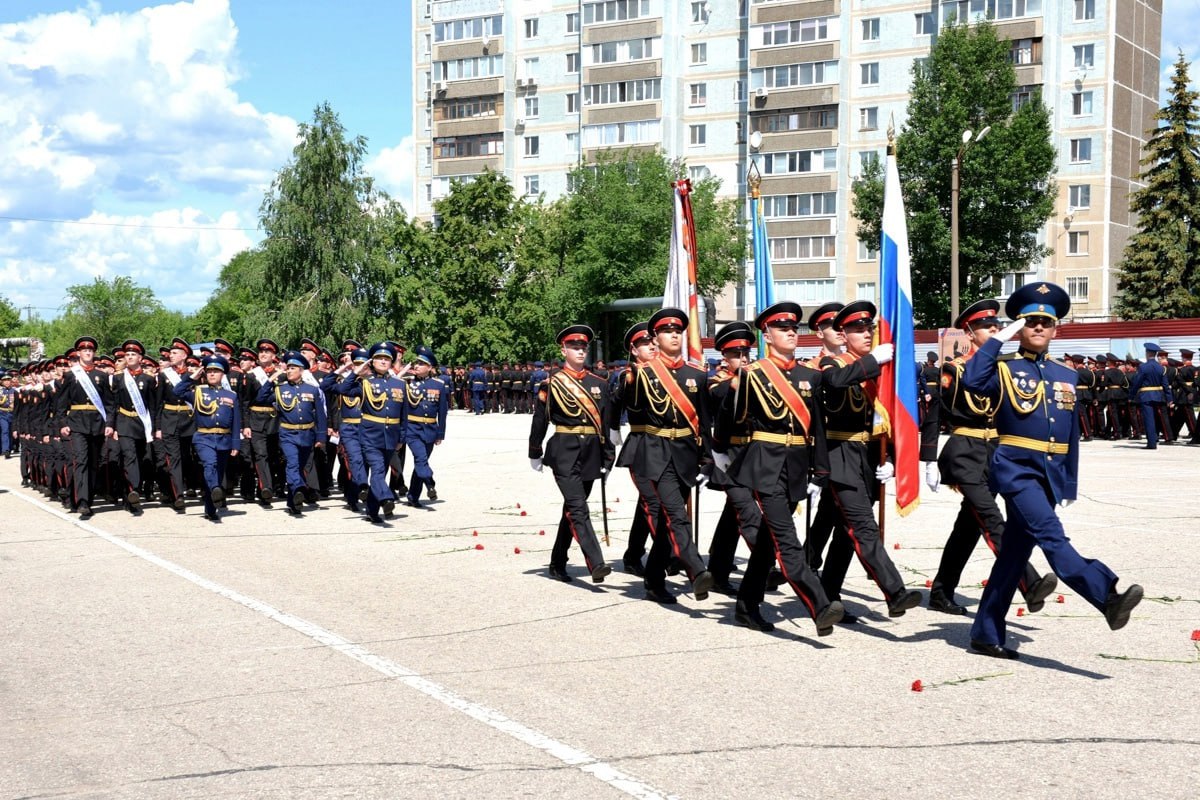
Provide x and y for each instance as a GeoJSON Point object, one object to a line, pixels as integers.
{"type": "Point", "coordinates": [1085, 384]}
{"type": "Point", "coordinates": [672, 395]}
{"type": "Point", "coordinates": [174, 427]}
{"type": "Point", "coordinates": [218, 427]}
{"type": "Point", "coordinates": [382, 427]}
{"type": "Point", "coordinates": [964, 468]}
{"type": "Point", "coordinates": [575, 401]}
{"type": "Point", "coordinates": [833, 343]}
{"type": "Point", "coordinates": [81, 408]}
{"type": "Point", "coordinates": [131, 418]}
{"type": "Point", "coordinates": [1188, 394]}
{"type": "Point", "coordinates": [1117, 383]}
{"type": "Point", "coordinates": [8, 404]}
{"type": "Point", "coordinates": [520, 389]}
{"type": "Point", "coordinates": [260, 421]}
{"type": "Point", "coordinates": [477, 379]}
{"type": "Point", "coordinates": [1035, 466]}
{"type": "Point", "coordinates": [741, 514]}
{"type": "Point", "coordinates": [785, 461]}
{"type": "Point", "coordinates": [640, 343]}
{"type": "Point", "coordinates": [929, 408]}
{"type": "Point", "coordinates": [1152, 392]}
{"type": "Point", "coordinates": [857, 468]}
{"type": "Point", "coordinates": [243, 476]}
{"type": "Point", "coordinates": [427, 401]}
{"type": "Point", "coordinates": [349, 414]}
{"type": "Point", "coordinates": [302, 424]}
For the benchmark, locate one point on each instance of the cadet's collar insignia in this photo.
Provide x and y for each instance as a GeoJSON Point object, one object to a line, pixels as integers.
{"type": "Point", "coordinates": [1043, 289]}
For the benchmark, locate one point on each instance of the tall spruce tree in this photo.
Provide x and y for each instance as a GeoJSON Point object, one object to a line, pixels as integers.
{"type": "Point", "coordinates": [1160, 273]}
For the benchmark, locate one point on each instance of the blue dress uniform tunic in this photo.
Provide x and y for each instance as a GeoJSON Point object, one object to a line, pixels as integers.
{"type": "Point", "coordinates": [381, 430]}
{"type": "Point", "coordinates": [350, 415]}
{"type": "Point", "coordinates": [218, 417]}
{"type": "Point", "coordinates": [1034, 467]}
{"type": "Point", "coordinates": [477, 378]}
{"type": "Point", "coordinates": [1152, 392]}
{"type": "Point", "coordinates": [301, 426]}
{"type": "Point", "coordinates": [426, 404]}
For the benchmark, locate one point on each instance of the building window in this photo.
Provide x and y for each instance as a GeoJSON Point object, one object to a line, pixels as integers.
{"type": "Point", "coordinates": [797, 31]}
{"type": "Point", "coordinates": [794, 206]}
{"type": "Point", "coordinates": [806, 291]}
{"type": "Point", "coordinates": [700, 53]}
{"type": "Point", "coordinates": [697, 134]}
{"type": "Point", "coordinates": [799, 161]}
{"type": "Point", "coordinates": [1085, 10]}
{"type": "Point", "coordinates": [1025, 52]}
{"type": "Point", "coordinates": [697, 94]}
{"type": "Point", "coordinates": [865, 291]}
{"type": "Point", "coordinates": [739, 90]}
{"type": "Point", "coordinates": [869, 74]}
{"type": "Point", "coordinates": [700, 11]}
{"type": "Point", "coordinates": [1079, 196]}
{"type": "Point", "coordinates": [428, 119]}
{"type": "Point", "coordinates": [572, 144]}
{"type": "Point", "coordinates": [1077, 288]}
{"type": "Point", "coordinates": [1081, 104]}
{"type": "Point", "coordinates": [572, 102]}
{"type": "Point", "coordinates": [802, 248]}
{"type": "Point", "coordinates": [868, 118]}
{"type": "Point", "coordinates": [531, 28]}
{"type": "Point", "coordinates": [813, 118]}
{"type": "Point", "coordinates": [868, 159]}
{"type": "Point", "coordinates": [808, 74]}
{"type": "Point", "coordinates": [742, 49]}
{"type": "Point", "coordinates": [699, 173]}
{"type": "Point", "coordinates": [960, 12]}
{"type": "Point", "coordinates": [1081, 151]}
{"type": "Point", "coordinates": [1085, 56]}
{"type": "Point", "coordinates": [532, 184]}
{"type": "Point", "coordinates": [429, 193]}
{"type": "Point", "coordinates": [531, 146]}
{"type": "Point", "coordinates": [1077, 243]}
{"type": "Point", "coordinates": [428, 155]}
{"type": "Point", "coordinates": [870, 30]}
{"type": "Point", "coordinates": [615, 11]}
{"type": "Point", "coordinates": [531, 107]}
{"type": "Point", "coordinates": [867, 251]}
{"type": "Point", "coordinates": [599, 94]}
{"type": "Point", "coordinates": [572, 63]}
{"type": "Point", "coordinates": [1022, 96]}
{"type": "Point", "coordinates": [428, 39]}
{"type": "Point", "coordinates": [573, 22]}
{"type": "Point", "coordinates": [926, 24]}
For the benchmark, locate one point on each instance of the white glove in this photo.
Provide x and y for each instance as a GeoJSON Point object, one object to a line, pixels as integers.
{"type": "Point", "coordinates": [933, 475]}
{"type": "Point", "coordinates": [535, 464]}
{"type": "Point", "coordinates": [614, 436]}
{"type": "Point", "coordinates": [883, 352]}
{"type": "Point", "coordinates": [814, 493]}
{"type": "Point", "coordinates": [701, 481]}
{"type": "Point", "coordinates": [885, 472]}
{"type": "Point", "coordinates": [722, 460]}
{"type": "Point", "coordinates": [1065, 503]}
{"type": "Point", "coordinates": [1010, 330]}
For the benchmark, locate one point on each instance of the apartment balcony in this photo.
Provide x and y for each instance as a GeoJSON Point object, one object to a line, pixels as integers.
{"type": "Point", "coordinates": [622, 112]}
{"type": "Point", "coordinates": [800, 140]}
{"type": "Point", "coordinates": [472, 165]}
{"type": "Point", "coordinates": [761, 14]}
{"type": "Point", "coordinates": [473, 87]}
{"type": "Point", "coordinates": [470, 126]}
{"type": "Point", "coordinates": [637, 29]}
{"type": "Point", "coordinates": [471, 48]}
{"type": "Point", "coordinates": [631, 71]}
{"type": "Point", "coordinates": [800, 183]}
{"type": "Point", "coordinates": [778, 98]}
{"type": "Point", "coordinates": [794, 54]}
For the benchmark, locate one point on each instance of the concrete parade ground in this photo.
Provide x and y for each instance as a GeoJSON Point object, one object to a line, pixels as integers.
{"type": "Point", "coordinates": [264, 656]}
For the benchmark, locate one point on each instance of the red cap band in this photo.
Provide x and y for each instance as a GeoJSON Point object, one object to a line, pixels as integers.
{"type": "Point", "coordinates": [987, 312]}
{"type": "Point", "coordinates": [783, 315]}
{"type": "Point", "coordinates": [855, 317]}
{"type": "Point", "coordinates": [735, 343]}
{"type": "Point", "coordinates": [668, 321]}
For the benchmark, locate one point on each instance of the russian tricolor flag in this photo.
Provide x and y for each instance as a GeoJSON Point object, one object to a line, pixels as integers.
{"type": "Point", "coordinates": [898, 384]}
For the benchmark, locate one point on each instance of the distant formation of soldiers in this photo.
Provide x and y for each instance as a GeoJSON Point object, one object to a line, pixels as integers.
{"type": "Point", "coordinates": [261, 422]}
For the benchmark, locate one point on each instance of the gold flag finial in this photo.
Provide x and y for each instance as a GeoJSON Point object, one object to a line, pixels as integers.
{"type": "Point", "coordinates": [891, 133]}
{"type": "Point", "coordinates": [753, 179]}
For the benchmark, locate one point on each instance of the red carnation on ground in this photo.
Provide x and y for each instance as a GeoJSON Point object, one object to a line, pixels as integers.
{"type": "Point", "coordinates": [1196, 636]}
{"type": "Point", "coordinates": [896, 546]}
{"type": "Point", "coordinates": [983, 582]}
{"type": "Point", "coordinates": [917, 686]}
{"type": "Point", "coordinates": [928, 584]}
{"type": "Point", "coordinates": [1060, 599]}
{"type": "Point", "coordinates": [541, 533]}
{"type": "Point", "coordinates": [479, 547]}
{"type": "Point", "coordinates": [1020, 612]}
{"type": "Point", "coordinates": [522, 512]}
{"type": "Point", "coordinates": [517, 550]}
{"type": "Point", "coordinates": [474, 533]}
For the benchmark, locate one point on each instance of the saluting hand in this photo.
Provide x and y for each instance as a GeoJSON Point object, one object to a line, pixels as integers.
{"type": "Point", "coordinates": [1010, 330]}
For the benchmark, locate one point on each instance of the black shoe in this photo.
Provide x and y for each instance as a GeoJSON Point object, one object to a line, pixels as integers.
{"type": "Point", "coordinates": [85, 511]}
{"type": "Point", "coordinates": [388, 507]}
{"type": "Point", "coordinates": [994, 650]}
{"type": "Point", "coordinates": [750, 617]}
{"type": "Point", "coordinates": [909, 598]}
{"type": "Point", "coordinates": [218, 495]}
{"type": "Point", "coordinates": [829, 616]}
{"type": "Point", "coordinates": [775, 579]}
{"type": "Point", "coordinates": [353, 506]}
{"type": "Point", "coordinates": [192, 493]}
{"type": "Point", "coordinates": [702, 584]}
{"type": "Point", "coordinates": [674, 566]}
{"type": "Point", "coordinates": [634, 567]}
{"type": "Point", "coordinates": [267, 495]}
{"type": "Point", "coordinates": [600, 573]}
{"type": "Point", "coordinates": [134, 502]}
{"type": "Point", "coordinates": [1042, 588]}
{"type": "Point", "coordinates": [180, 504]}
{"type": "Point", "coordinates": [940, 601]}
{"type": "Point", "coordinates": [374, 519]}
{"type": "Point", "coordinates": [723, 586]}
{"type": "Point", "coordinates": [311, 496]}
{"type": "Point", "coordinates": [363, 493]}
{"type": "Point", "coordinates": [211, 517]}
{"type": "Point", "coordinates": [560, 573]}
{"type": "Point", "coordinates": [1118, 607]}
{"type": "Point", "coordinates": [411, 501]}
{"type": "Point", "coordinates": [294, 510]}
{"type": "Point", "coordinates": [432, 493]}
{"type": "Point", "coordinates": [660, 595]}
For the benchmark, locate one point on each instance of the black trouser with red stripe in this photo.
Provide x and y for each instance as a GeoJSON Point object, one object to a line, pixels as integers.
{"type": "Point", "coordinates": [858, 534]}
{"type": "Point", "coordinates": [978, 515]}
{"type": "Point", "coordinates": [672, 531]}
{"type": "Point", "coordinates": [821, 528]}
{"type": "Point", "coordinates": [84, 449]}
{"type": "Point", "coordinates": [777, 539]}
{"type": "Point", "coordinates": [643, 519]}
{"type": "Point", "coordinates": [576, 522]}
{"type": "Point", "coordinates": [741, 516]}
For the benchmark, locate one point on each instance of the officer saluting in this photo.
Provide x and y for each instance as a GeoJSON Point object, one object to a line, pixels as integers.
{"type": "Point", "coordinates": [427, 401]}
{"type": "Point", "coordinates": [301, 423]}
{"type": "Point", "coordinates": [381, 430]}
{"type": "Point", "coordinates": [218, 426]}
{"type": "Point", "coordinates": [575, 401]}
{"type": "Point", "coordinates": [1036, 464]}
{"type": "Point", "coordinates": [81, 415]}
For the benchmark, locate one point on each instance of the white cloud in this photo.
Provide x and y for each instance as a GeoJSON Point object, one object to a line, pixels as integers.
{"type": "Point", "coordinates": [392, 170]}
{"type": "Point", "coordinates": [107, 114]}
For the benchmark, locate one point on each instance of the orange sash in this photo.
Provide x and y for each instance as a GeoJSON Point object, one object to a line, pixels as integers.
{"type": "Point", "coordinates": [676, 392]}
{"type": "Point", "coordinates": [580, 395]}
{"type": "Point", "coordinates": [791, 397]}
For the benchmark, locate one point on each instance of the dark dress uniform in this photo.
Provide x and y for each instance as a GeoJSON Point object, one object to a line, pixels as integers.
{"type": "Point", "coordinates": [174, 428]}
{"type": "Point", "coordinates": [778, 400]}
{"type": "Point", "coordinates": [1117, 402]}
{"type": "Point", "coordinates": [84, 421]}
{"type": "Point", "coordinates": [1035, 467]}
{"type": "Point", "coordinates": [639, 526]}
{"type": "Point", "coordinates": [931, 418]}
{"type": "Point", "coordinates": [1085, 392]}
{"type": "Point", "coordinates": [131, 389]}
{"type": "Point", "coordinates": [262, 420]}
{"type": "Point", "coordinates": [578, 453]}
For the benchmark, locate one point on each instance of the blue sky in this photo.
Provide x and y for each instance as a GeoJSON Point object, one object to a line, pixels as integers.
{"type": "Point", "coordinates": [156, 127]}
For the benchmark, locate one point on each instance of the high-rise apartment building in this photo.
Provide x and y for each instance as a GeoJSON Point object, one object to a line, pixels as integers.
{"type": "Point", "coordinates": [531, 87]}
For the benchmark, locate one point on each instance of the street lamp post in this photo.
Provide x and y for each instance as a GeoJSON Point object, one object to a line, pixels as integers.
{"type": "Point", "coordinates": [955, 170]}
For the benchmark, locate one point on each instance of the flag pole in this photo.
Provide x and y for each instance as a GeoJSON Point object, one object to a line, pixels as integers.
{"type": "Point", "coordinates": [883, 440]}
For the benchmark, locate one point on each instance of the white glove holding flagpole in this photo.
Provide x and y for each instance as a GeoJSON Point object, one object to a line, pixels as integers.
{"type": "Point", "coordinates": [535, 464]}
{"type": "Point", "coordinates": [883, 353]}
{"type": "Point", "coordinates": [885, 472]}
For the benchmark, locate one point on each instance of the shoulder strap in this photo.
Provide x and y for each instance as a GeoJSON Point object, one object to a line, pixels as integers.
{"type": "Point", "coordinates": [676, 394]}
{"type": "Point", "coordinates": [791, 397]}
{"type": "Point", "coordinates": [580, 395]}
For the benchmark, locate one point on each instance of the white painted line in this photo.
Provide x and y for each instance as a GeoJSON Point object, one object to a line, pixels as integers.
{"type": "Point", "coordinates": [565, 753]}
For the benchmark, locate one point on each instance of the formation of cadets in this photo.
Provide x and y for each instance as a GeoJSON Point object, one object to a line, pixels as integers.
{"type": "Point", "coordinates": [776, 432]}
{"type": "Point", "coordinates": [261, 422]}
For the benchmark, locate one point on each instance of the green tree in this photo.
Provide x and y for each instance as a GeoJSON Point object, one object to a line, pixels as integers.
{"type": "Point", "coordinates": [1159, 275]}
{"type": "Point", "coordinates": [112, 311]}
{"type": "Point", "coordinates": [318, 220]}
{"type": "Point", "coordinates": [10, 318]}
{"type": "Point", "coordinates": [1007, 187]}
{"type": "Point", "coordinates": [613, 234]}
{"type": "Point", "coordinates": [240, 309]}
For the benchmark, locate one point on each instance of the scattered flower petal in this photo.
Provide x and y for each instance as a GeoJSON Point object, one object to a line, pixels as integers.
{"type": "Point", "coordinates": [1060, 599]}
{"type": "Point", "coordinates": [1020, 612]}
{"type": "Point", "coordinates": [517, 550]}
{"type": "Point", "coordinates": [917, 686]}
{"type": "Point", "coordinates": [479, 547]}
